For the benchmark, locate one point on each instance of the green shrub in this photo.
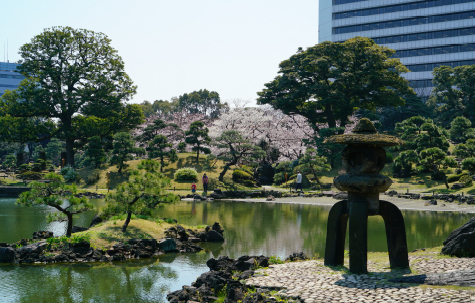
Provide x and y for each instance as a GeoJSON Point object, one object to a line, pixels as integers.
{"type": "Point", "coordinates": [69, 173]}
{"type": "Point", "coordinates": [240, 176]}
{"type": "Point", "coordinates": [454, 178]}
{"type": "Point", "coordinates": [247, 169]}
{"type": "Point", "coordinates": [466, 180]}
{"type": "Point", "coordinates": [31, 175]}
{"type": "Point", "coordinates": [25, 166]}
{"type": "Point", "coordinates": [186, 174]}
{"type": "Point", "coordinates": [389, 158]}
{"type": "Point", "coordinates": [469, 164]}
{"type": "Point", "coordinates": [249, 183]}
{"type": "Point", "coordinates": [94, 177]}
{"type": "Point", "coordinates": [397, 167]}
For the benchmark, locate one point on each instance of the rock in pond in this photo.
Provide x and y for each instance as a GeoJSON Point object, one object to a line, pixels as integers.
{"type": "Point", "coordinates": [167, 244]}
{"type": "Point", "coordinates": [461, 242]}
{"type": "Point", "coordinates": [7, 255]}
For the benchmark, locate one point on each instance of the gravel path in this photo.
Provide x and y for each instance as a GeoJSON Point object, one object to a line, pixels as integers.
{"type": "Point", "coordinates": [311, 281]}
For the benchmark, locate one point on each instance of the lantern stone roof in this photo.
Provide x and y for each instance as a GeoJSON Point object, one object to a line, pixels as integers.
{"type": "Point", "coordinates": [364, 133]}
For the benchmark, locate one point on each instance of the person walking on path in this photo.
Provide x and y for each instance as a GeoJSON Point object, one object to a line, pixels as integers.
{"type": "Point", "coordinates": [193, 187]}
{"type": "Point", "coordinates": [205, 183]}
{"type": "Point", "coordinates": [299, 182]}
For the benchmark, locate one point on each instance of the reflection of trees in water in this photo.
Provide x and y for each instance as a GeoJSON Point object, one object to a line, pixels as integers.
{"type": "Point", "coordinates": [270, 228]}
{"type": "Point", "coordinates": [144, 281]}
{"type": "Point", "coordinates": [429, 228]}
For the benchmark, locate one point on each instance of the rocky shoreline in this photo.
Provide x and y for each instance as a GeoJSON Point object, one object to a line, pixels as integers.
{"type": "Point", "coordinates": [43, 248]}
{"type": "Point", "coordinates": [227, 279]}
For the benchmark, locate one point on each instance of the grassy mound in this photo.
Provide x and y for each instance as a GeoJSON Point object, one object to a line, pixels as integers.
{"type": "Point", "coordinates": [110, 232]}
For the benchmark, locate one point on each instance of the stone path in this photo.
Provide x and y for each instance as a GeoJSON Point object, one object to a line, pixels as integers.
{"type": "Point", "coordinates": [311, 281]}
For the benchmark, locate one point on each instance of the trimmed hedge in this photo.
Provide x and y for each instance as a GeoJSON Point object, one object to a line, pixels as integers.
{"type": "Point", "coordinates": [186, 174]}
{"type": "Point", "coordinates": [241, 176]}
{"type": "Point", "coordinates": [455, 178]}
{"type": "Point", "coordinates": [466, 180]}
{"type": "Point", "coordinates": [31, 175]}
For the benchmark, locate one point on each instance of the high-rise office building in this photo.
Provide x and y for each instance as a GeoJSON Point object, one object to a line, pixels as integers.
{"type": "Point", "coordinates": [9, 79]}
{"type": "Point", "coordinates": [425, 34]}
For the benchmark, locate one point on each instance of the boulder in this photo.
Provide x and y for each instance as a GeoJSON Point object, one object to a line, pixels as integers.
{"type": "Point", "coordinates": [118, 257]}
{"type": "Point", "coordinates": [218, 196]}
{"type": "Point", "coordinates": [457, 186]}
{"type": "Point", "coordinates": [182, 234]}
{"type": "Point", "coordinates": [42, 234]}
{"type": "Point", "coordinates": [341, 195]}
{"type": "Point", "coordinates": [214, 236]}
{"type": "Point", "coordinates": [96, 220]}
{"type": "Point", "coordinates": [431, 202]}
{"type": "Point", "coordinates": [167, 244]}
{"type": "Point", "coordinates": [297, 257]}
{"type": "Point", "coordinates": [199, 198]}
{"type": "Point", "coordinates": [148, 244]}
{"type": "Point", "coordinates": [37, 248]}
{"type": "Point", "coordinates": [329, 193]}
{"type": "Point", "coordinates": [461, 241]}
{"type": "Point", "coordinates": [270, 198]}
{"type": "Point", "coordinates": [7, 255]}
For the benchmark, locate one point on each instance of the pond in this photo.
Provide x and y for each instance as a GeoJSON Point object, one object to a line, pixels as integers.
{"type": "Point", "coordinates": [250, 228]}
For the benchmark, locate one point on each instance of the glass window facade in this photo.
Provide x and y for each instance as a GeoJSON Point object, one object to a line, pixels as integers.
{"type": "Point", "coordinates": [450, 22]}
{"type": "Point", "coordinates": [396, 8]}
{"type": "Point", "coordinates": [428, 67]}
{"type": "Point", "coordinates": [337, 2]}
{"type": "Point", "coordinates": [435, 50]}
{"type": "Point", "coordinates": [9, 78]}
{"type": "Point", "coordinates": [403, 22]}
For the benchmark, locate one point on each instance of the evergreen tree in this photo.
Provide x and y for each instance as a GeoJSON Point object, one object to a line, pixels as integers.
{"type": "Point", "coordinates": [54, 194]}
{"type": "Point", "coordinates": [124, 147]}
{"type": "Point", "coordinates": [95, 152]}
{"type": "Point", "coordinates": [144, 191]}
{"type": "Point", "coordinates": [197, 136]}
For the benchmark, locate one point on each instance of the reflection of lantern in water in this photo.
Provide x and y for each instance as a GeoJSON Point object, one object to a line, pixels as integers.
{"type": "Point", "coordinates": [363, 159]}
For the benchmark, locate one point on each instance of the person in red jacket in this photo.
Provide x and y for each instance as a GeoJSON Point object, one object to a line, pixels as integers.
{"type": "Point", "coordinates": [205, 182]}
{"type": "Point", "coordinates": [193, 187]}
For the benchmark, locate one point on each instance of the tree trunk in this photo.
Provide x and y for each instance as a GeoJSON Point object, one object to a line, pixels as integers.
{"type": "Point", "coordinates": [316, 179]}
{"type": "Point", "coordinates": [67, 129]}
{"type": "Point", "coordinates": [127, 221]}
{"type": "Point", "coordinates": [70, 152]}
{"type": "Point", "coordinates": [198, 154]}
{"type": "Point", "coordinates": [329, 114]}
{"type": "Point", "coordinates": [70, 224]}
{"type": "Point", "coordinates": [221, 174]}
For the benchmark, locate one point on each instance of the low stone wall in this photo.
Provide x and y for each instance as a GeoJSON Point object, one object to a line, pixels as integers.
{"type": "Point", "coordinates": [12, 191]}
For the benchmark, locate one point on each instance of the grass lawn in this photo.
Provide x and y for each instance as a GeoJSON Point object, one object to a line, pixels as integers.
{"type": "Point", "coordinates": [110, 232]}
{"type": "Point", "coordinates": [184, 160]}
{"type": "Point", "coordinates": [212, 169]}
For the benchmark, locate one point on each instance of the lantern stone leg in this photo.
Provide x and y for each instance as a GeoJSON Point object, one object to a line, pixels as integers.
{"type": "Point", "coordinates": [395, 235]}
{"type": "Point", "coordinates": [336, 233]}
{"type": "Point", "coordinates": [358, 237]}
{"type": "Point", "coordinates": [363, 159]}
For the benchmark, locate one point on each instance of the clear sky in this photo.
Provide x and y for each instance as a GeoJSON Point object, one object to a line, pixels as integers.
{"type": "Point", "coordinates": [174, 47]}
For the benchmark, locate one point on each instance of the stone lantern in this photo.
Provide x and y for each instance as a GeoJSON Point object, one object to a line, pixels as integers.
{"type": "Point", "coordinates": [363, 159]}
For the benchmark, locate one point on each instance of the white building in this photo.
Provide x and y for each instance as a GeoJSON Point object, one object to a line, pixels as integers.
{"type": "Point", "coordinates": [9, 79]}
{"type": "Point", "coordinates": [425, 34]}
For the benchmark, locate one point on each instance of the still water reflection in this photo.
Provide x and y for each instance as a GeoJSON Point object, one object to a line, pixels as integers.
{"type": "Point", "coordinates": [250, 228]}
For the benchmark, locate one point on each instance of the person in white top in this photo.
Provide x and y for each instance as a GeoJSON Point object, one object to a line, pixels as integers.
{"type": "Point", "coordinates": [299, 182]}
